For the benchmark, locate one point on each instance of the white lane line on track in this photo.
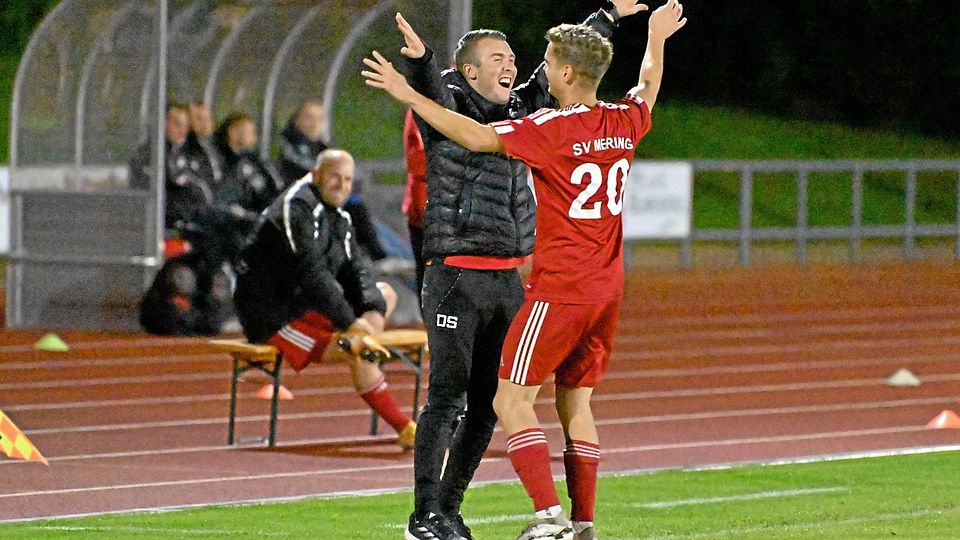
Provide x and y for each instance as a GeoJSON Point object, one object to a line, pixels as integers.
{"type": "Point", "coordinates": [799, 526]}
{"type": "Point", "coordinates": [791, 332]}
{"type": "Point", "coordinates": [620, 396]}
{"type": "Point", "coordinates": [809, 346]}
{"type": "Point", "coordinates": [699, 321]}
{"type": "Point", "coordinates": [741, 413]}
{"type": "Point", "coordinates": [125, 361]}
{"type": "Point", "coordinates": [742, 497]}
{"type": "Point", "coordinates": [604, 397]}
{"type": "Point", "coordinates": [671, 353]}
{"type": "Point", "coordinates": [302, 392]}
{"type": "Point", "coordinates": [214, 480]}
{"type": "Point", "coordinates": [652, 319]}
{"type": "Point", "coordinates": [784, 387]}
{"type": "Point", "coordinates": [770, 367]}
{"type": "Point", "coordinates": [166, 530]}
{"type": "Point", "coordinates": [899, 361]}
{"type": "Point", "coordinates": [409, 466]}
{"type": "Point", "coordinates": [118, 343]}
{"type": "Point", "coordinates": [767, 440]}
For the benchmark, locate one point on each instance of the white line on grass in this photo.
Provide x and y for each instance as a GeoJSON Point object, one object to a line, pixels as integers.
{"type": "Point", "coordinates": [171, 530]}
{"type": "Point", "coordinates": [743, 497]}
{"type": "Point", "coordinates": [519, 518]}
{"type": "Point", "coordinates": [380, 491]}
{"type": "Point", "coordinates": [819, 524]}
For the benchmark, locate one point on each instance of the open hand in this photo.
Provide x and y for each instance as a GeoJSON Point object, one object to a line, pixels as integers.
{"type": "Point", "coordinates": [414, 45]}
{"type": "Point", "coordinates": [625, 8]}
{"type": "Point", "coordinates": [385, 77]}
{"type": "Point", "coordinates": [667, 19]}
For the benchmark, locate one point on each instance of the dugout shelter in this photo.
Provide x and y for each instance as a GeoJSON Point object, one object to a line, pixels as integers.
{"type": "Point", "coordinates": [93, 85]}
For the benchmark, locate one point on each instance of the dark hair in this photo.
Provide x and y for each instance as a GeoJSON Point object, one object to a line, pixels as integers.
{"type": "Point", "coordinates": [588, 52]}
{"type": "Point", "coordinates": [467, 45]}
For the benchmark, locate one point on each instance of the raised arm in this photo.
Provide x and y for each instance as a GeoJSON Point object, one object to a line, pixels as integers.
{"type": "Point", "coordinates": [664, 22]}
{"type": "Point", "coordinates": [535, 93]}
{"type": "Point", "coordinates": [421, 65]}
{"type": "Point", "coordinates": [458, 128]}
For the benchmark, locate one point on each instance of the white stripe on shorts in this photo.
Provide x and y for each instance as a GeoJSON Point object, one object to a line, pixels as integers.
{"type": "Point", "coordinates": [528, 341]}
{"type": "Point", "coordinates": [297, 338]}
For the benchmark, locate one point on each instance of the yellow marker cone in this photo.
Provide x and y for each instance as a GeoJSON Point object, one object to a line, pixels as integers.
{"type": "Point", "coordinates": [945, 420]}
{"type": "Point", "coordinates": [15, 444]}
{"type": "Point", "coordinates": [51, 342]}
{"type": "Point", "coordinates": [903, 377]}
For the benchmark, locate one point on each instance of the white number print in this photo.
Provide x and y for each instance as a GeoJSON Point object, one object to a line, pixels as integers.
{"type": "Point", "coordinates": [616, 175]}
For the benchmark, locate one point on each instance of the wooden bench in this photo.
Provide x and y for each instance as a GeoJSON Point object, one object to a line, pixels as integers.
{"type": "Point", "coordinates": [408, 346]}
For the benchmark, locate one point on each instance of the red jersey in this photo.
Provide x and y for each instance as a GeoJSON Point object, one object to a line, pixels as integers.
{"type": "Point", "coordinates": [580, 157]}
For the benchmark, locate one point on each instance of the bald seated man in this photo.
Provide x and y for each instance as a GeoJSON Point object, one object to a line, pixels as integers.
{"type": "Point", "coordinates": [302, 281]}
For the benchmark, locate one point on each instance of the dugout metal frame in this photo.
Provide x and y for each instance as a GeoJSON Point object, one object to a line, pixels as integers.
{"type": "Point", "coordinates": [93, 84]}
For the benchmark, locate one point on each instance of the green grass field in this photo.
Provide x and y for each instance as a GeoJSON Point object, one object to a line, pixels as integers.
{"type": "Point", "coordinates": [913, 496]}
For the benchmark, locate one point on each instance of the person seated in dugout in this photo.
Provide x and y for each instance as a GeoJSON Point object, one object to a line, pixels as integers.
{"type": "Point", "coordinates": [302, 282]}
{"type": "Point", "coordinates": [199, 144]}
{"type": "Point", "coordinates": [249, 183]}
{"type": "Point", "coordinates": [301, 141]}
{"type": "Point", "coordinates": [187, 298]}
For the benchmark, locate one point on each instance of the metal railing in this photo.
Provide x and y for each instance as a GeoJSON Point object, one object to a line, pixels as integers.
{"type": "Point", "coordinates": [802, 232]}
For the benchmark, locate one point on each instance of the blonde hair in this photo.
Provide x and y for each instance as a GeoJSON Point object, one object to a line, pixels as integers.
{"type": "Point", "coordinates": [579, 45]}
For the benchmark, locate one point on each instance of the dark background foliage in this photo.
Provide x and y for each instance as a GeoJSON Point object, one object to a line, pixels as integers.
{"type": "Point", "coordinates": [874, 63]}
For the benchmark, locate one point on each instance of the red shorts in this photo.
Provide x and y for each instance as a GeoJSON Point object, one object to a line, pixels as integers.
{"type": "Point", "coordinates": [304, 340]}
{"type": "Point", "coordinates": [572, 340]}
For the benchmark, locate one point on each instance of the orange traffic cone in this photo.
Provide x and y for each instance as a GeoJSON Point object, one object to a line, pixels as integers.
{"type": "Point", "coordinates": [945, 420]}
{"type": "Point", "coordinates": [266, 392]}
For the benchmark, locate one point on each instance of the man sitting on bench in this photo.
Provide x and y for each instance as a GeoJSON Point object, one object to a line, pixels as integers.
{"type": "Point", "coordinates": [302, 281]}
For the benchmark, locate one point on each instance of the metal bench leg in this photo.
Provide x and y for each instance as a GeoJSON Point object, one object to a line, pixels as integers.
{"type": "Point", "coordinates": [275, 400]}
{"type": "Point", "coordinates": [233, 400]}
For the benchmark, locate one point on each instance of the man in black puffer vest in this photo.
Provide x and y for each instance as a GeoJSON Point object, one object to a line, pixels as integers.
{"type": "Point", "coordinates": [478, 229]}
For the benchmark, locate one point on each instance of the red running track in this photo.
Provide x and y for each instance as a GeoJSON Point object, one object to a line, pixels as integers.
{"type": "Point", "coordinates": [711, 366]}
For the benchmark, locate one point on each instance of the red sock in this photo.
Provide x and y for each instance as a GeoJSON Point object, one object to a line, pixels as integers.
{"type": "Point", "coordinates": [581, 460]}
{"type": "Point", "coordinates": [383, 402]}
{"type": "Point", "coordinates": [530, 457]}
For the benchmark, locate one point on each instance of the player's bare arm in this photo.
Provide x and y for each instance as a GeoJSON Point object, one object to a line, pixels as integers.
{"type": "Point", "coordinates": [413, 45]}
{"type": "Point", "coordinates": [664, 22]}
{"type": "Point", "coordinates": [458, 128]}
{"type": "Point", "coordinates": [625, 8]}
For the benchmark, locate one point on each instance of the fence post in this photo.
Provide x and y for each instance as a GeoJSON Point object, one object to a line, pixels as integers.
{"type": "Point", "coordinates": [956, 240]}
{"type": "Point", "coordinates": [746, 213]}
{"type": "Point", "coordinates": [910, 227]}
{"type": "Point", "coordinates": [856, 232]}
{"type": "Point", "coordinates": [802, 220]}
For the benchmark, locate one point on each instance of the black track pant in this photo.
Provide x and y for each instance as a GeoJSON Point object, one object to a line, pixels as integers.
{"type": "Point", "coordinates": [467, 313]}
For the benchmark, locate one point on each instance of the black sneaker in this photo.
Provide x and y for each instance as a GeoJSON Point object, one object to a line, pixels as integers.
{"type": "Point", "coordinates": [456, 521]}
{"type": "Point", "coordinates": [430, 527]}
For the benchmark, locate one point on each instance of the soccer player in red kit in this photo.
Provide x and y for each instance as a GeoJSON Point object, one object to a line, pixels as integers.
{"type": "Point", "coordinates": [580, 158]}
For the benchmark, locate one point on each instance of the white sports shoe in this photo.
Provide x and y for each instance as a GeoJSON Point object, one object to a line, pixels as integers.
{"type": "Point", "coordinates": [553, 528]}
